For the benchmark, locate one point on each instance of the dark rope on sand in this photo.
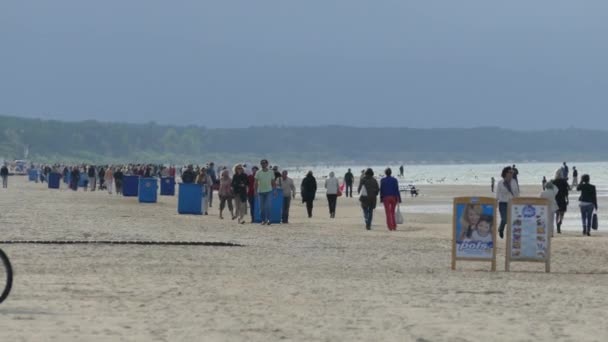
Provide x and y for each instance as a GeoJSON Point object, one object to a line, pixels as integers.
{"type": "Point", "coordinates": [132, 242]}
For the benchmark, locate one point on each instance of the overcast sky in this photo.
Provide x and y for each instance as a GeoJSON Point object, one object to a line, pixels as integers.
{"type": "Point", "coordinates": [516, 64]}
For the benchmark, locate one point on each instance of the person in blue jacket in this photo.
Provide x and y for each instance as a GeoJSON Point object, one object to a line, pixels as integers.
{"type": "Point", "coordinates": [390, 196]}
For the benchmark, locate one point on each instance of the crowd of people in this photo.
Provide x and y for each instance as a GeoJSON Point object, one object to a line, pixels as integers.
{"type": "Point", "coordinates": [556, 191]}
{"type": "Point", "coordinates": [238, 187]}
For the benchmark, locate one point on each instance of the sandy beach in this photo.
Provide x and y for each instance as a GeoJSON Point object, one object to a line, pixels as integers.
{"type": "Point", "coordinates": [316, 279]}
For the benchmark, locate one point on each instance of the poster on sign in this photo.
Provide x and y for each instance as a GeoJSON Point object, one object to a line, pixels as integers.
{"type": "Point", "coordinates": [528, 235]}
{"type": "Point", "coordinates": [474, 230]}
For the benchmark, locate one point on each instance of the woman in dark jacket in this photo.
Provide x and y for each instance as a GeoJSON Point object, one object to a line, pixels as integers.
{"type": "Point", "coordinates": [561, 198]}
{"type": "Point", "coordinates": [308, 191]}
{"type": "Point", "coordinates": [118, 177]}
{"type": "Point", "coordinates": [368, 189]}
{"type": "Point", "coordinates": [75, 178]}
{"type": "Point", "coordinates": [101, 175]}
{"type": "Point", "coordinates": [587, 202]}
{"type": "Point", "coordinates": [240, 183]}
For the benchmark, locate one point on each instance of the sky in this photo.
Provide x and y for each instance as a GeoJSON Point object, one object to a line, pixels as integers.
{"type": "Point", "coordinates": [239, 63]}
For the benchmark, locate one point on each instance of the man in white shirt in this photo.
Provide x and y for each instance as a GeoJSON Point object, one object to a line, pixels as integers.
{"type": "Point", "coordinates": [264, 187]}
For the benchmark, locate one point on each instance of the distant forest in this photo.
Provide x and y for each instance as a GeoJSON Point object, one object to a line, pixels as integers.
{"type": "Point", "coordinates": [100, 142]}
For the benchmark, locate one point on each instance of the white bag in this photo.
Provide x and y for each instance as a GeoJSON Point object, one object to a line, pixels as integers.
{"type": "Point", "coordinates": [363, 192]}
{"type": "Point", "coordinates": [398, 216]}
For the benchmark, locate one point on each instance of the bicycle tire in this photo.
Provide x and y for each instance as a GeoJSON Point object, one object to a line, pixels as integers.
{"type": "Point", "coordinates": [9, 276]}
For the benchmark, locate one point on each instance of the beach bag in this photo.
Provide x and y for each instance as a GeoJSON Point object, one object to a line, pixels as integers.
{"type": "Point", "coordinates": [594, 221]}
{"type": "Point", "coordinates": [363, 194]}
{"type": "Point", "coordinates": [398, 216]}
{"type": "Point", "coordinates": [339, 192]}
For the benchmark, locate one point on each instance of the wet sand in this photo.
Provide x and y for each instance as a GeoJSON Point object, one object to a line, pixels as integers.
{"type": "Point", "coordinates": [316, 279]}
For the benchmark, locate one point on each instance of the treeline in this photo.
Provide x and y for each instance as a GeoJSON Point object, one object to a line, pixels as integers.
{"type": "Point", "coordinates": [92, 141]}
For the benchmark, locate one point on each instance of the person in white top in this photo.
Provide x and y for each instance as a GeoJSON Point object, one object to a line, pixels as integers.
{"type": "Point", "coordinates": [109, 178]}
{"type": "Point", "coordinates": [333, 187]}
{"type": "Point", "coordinates": [549, 193]}
{"type": "Point", "coordinates": [506, 189]}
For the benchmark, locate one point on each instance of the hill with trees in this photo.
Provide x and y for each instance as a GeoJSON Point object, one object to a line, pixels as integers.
{"type": "Point", "coordinates": [101, 142]}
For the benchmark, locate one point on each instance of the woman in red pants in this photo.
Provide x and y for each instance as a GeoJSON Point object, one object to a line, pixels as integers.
{"type": "Point", "coordinates": [390, 197]}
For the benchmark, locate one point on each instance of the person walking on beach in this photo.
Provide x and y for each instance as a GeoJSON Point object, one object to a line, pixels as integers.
{"type": "Point", "coordinates": [4, 175]}
{"type": "Point", "coordinates": [240, 183]}
{"type": "Point", "coordinates": [74, 178]}
{"type": "Point", "coordinates": [118, 178]}
{"type": "Point", "coordinates": [565, 172]}
{"type": "Point", "coordinates": [225, 193]}
{"type": "Point", "coordinates": [47, 173]}
{"type": "Point", "coordinates": [332, 187]}
{"type": "Point", "coordinates": [277, 173]}
{"type": "Point", "coordinates": [264, 188]}
{"type": "Point", "coordinates": [368, 190]}
{"type": "Point", "coordinates": [349, 179]}
{"type": "Point", "coordinates": [544, 182]}
{"type": "Point", "coordinates": [109, 179]}
{"type": "Point", "coordinates": [214, 180]}
{"type": "Point", "coordinates": [492, 184]}
{"type": "Point", "coordinates": [515, 173]}
{"type": "Point", "coordinates": [574, 176]}
{"type": "Point", "coordinates": [390, 197]}
{"type": "Point", "coordinates": [506, 189]}
{"type": "Point", "coordinates": [203, 179]}
{"type": "Point", "coordinates": [587, 202]}
{"type": "Point", "coordinates": [561, 198]}
{"type": "Point", "coordinates": [549, 192]}
{"type": "Point", "coordinates": [102, 178]}
{"type": "Point", "coordinates": [84, 175]}
{"type": "Point", "coordinates": [251, 192]}
{"type": "Point", "coordinates": [289, 192]}
{"type": "Point", "coordinates": [92, 177]}
{"type": "Point", "coordinates": [172, 171]}
{"type": "Point", "coordinates": [189, 176]}
{"type": "Point", "coordinates": [308, 191]}
{"type": "Point", "coordinates": [65, 174]}
{"type": "Point", "coordinates": [401, 171]}
{"type": "Point", "coordinates": [147, 171]}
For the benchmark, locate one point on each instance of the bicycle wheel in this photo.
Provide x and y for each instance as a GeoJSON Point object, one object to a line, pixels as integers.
{"type": "Point", "coordinates": [6, 276]}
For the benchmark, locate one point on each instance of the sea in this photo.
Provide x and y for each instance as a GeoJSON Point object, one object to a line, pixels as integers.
{"type": "Point", "coordinates": [464, 174]}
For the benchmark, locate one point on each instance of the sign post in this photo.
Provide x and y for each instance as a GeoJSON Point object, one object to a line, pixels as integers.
{"type": "Point", "coordinates": [474, 230]}
{"type": "Point", "coordinates": [528, 235]}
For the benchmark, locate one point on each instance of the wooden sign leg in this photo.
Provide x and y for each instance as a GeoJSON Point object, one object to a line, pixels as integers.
{"type": "Point", "coordinates": [548, 249]}
{"type": "Point", "coordinates": [508, 247]}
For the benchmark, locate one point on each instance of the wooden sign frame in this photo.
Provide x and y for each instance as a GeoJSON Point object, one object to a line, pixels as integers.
{"type": "Point", "coordinates": [549, 216]}
{"type": "Point", "coordinates": [474, 200]}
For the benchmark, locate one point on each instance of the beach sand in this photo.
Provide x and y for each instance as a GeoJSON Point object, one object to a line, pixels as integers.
{"type": "Point", "coordinates": [316, 279]}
